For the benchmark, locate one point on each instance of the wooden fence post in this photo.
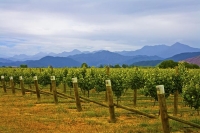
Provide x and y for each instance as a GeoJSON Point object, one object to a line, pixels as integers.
{"type": "Point", "coordinates": [50, 87]}
{"type": "Point", "coordinates": [110, 101]}
{"type": "Point", "coordinates": [22, 85]}
{"type": "Point", "coordinates": [75, 86]}
{"type": "Point", "coordinates": [135, 97]}
{"type": "Point", "coordinates": [108, 74]}
{"type": "Point", "coordinates": [3, 83]}
{"type": "Point", "coordinates": [12, 85]}
{"type": "Point", "coordinates": [175, 102]}
{"type": "Point", "coordinates": [64, 85]}
{"type": "Point", "coordinates": [37, 88]}
{"type": "Point", "coordinates": [53, 83]}
{"type": "Point", "coordinates": [163, 108]}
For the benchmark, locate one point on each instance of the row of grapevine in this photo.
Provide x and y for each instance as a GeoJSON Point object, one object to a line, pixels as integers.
{"type": "Point", "coordinates": [180, 80]}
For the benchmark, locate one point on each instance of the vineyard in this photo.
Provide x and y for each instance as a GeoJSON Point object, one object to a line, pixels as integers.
{"type": "Point", "coordinates": [128, 92]}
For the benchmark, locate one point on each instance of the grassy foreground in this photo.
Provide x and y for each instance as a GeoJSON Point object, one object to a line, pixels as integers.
{"type": "Point", "coordinates": [23, 114]}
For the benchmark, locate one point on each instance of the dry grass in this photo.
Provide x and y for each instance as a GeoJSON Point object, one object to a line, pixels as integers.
{"type": "Point", "coordinates": [23, 114]}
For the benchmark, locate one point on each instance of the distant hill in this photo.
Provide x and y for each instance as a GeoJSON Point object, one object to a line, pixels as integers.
{"type": "Point", "coordinates": [46, 61]}
{"type": "Point", "coordinates": [5, 60]}
{"type": "Point", "coordinates": [92, 59]}
{"type": "Point", "coordinates": [109, 58]}
{"type": "Point", "coordinates": [23, 57]}
{"type": "Point", "coordinates": [194, 60]}
{"type": "Point", "coordinates": [183, 56]}
{"type": "Point", "coordinates": [147, 56]}
{"type": "Point", "coordinates": [141, 58]}
{"type": "Point", "coordinates": [163, 51]}
{"type": "Point", "coordinates": [65, 54]}
{"type": "Point", "coordinates": [100, 58]}
{"type": "Point", "coordinates": [178, 48]}
{"type": "Point", "coordinates": [55, 62]}
{"type": "Point", "coordinates": [147, 63]}
{"type": "Point", "coordinates": [146, 50]}
{"type": "Point", "coordinates": [192, 57]}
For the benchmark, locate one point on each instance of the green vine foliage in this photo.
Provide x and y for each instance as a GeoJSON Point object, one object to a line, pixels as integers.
{"type": "Point", "coordinates": [44, 79]}
{"type": "Point", "coordinates": [119, 82]}
{"type": "Point", "coordinates": [136, 79]}
{"type": "Point", "coordinates": [184, 73]}
{"type": "Point", "coordinates": [100, 77]}
{"type": "Point", "coordinates": [87, 80]}
{"type": "Point", "coordinates": [185, 81]}
{"type": "Point", "coordinates": [157, 77]}
{"type": "Point", "coordinates": [177, 83]}
{"type": "Point", "coordinates": [191, 92]}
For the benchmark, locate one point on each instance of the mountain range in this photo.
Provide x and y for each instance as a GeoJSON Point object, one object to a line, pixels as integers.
{"type": "Point", "coordinates": [23, 57]}
{"type": "Point", "coordinates": [146, 56]}
{"type": "Point", "coordinates": [162, 51]}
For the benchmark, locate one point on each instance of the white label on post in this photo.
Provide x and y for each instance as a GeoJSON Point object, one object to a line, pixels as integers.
{"type": "Point", "coordinates": [160, 89]}
{"type": "Point", "coordinates": [74, 80]}
{"type": "Point", "coordinates": [108, 83]}
{"type": "Point", "coordinates": [11, 77]}
{"type": "Point", "coordinates": [35, 78]}
{"type": "Point", "coordinates": [2, 77]}
{"type": "Point", "coordinates": [53, 78]}
{"type": "Point", "coordinates": [20, 78]}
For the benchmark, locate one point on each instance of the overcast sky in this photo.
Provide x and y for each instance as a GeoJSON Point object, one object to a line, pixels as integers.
{"type": "Point", "coordinates": [32, 26]}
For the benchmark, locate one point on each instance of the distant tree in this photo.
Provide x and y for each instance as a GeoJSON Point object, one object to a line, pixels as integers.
{"type": "Point", "coordinates": [186, 64]}
{"type": "Point", "coordinates": [84, 65]}
{"type": "Point", "coordinates": [191, 66]}
{"type": "Point", "coordinates": [50, 66]}
{"type": "Point", "coordinates": [101, 66]}
{"type": "Point", "coordinates": [111, 66]}
{"type": "Point", "coordinates": [194, 66]}
{"type": "Point", "coordinates": [117, 66]}
{"type": "Point", "coordinates": [131, 66]}
{"type": "Point", "coordinates": [23, 66]}
{"type": "Point", "coordinates": [125, 66]}
{"type": "Point", "coordinates": [168, 64]}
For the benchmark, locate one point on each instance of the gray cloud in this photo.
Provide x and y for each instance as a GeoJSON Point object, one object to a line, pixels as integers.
{"type": "Point", "coordinates": [64, 25]}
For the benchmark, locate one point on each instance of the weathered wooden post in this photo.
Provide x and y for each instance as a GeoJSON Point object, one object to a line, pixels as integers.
{"type": "Point", "coordinates": [64, 85]}
{"type": "Point", "coordinates": [22, 85]}
{"type": "Point", "coordinates": [75, 86]}
{"type": "Point", "coordinates": [175, 102]}
{"type": "Point", "coordinates": [110, 101]}
{"type": "Point", "coordinates": [37, 88]}
{"type": "Point", "coordinates": [3, 83]}
{"type": "Point", "coordinates": [12, 85]}
{"type": "Point", "coordinates": [108, 74]}
{"type": "Point", "coordinates": [50, 87]}
{"type": "Point", "coordinates": [163, 108]}
{"type": "Point", "coordinates": [53, 83]}
{"type": "Point", "coordinates": [135, 97]}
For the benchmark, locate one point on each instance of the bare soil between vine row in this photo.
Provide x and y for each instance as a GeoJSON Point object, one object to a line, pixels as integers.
{"type": "Point", "coordinates": [23, 114]}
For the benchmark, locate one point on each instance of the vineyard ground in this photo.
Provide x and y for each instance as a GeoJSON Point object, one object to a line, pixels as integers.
{"type": "Point", "coordinates": [22, 114]}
